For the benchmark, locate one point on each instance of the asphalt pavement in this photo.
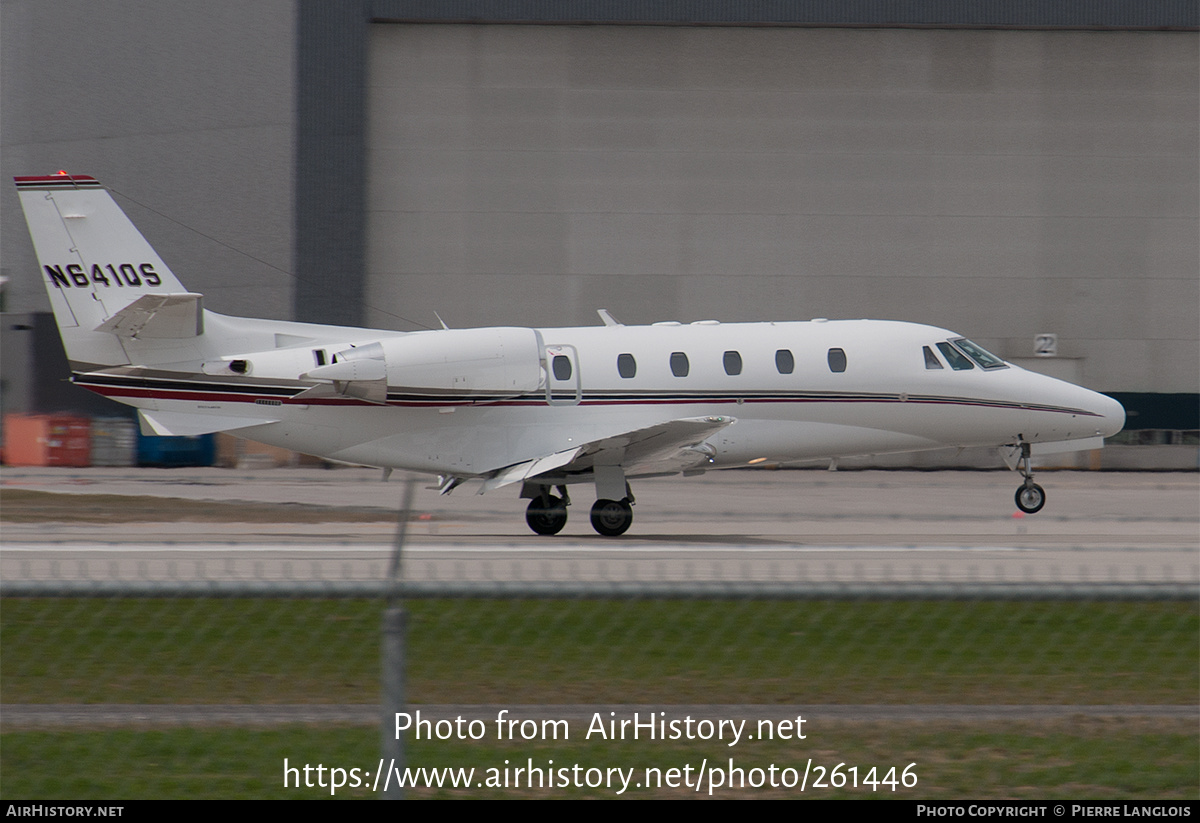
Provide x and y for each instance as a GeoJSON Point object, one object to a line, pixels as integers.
{"type": "Point", "coordinates": [823, 526]}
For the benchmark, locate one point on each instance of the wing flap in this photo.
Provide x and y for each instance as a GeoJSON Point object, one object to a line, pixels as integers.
{"type": "Point", "coordinates": [660, 447]}
{"type": "Point", "coordinates": [668, 448]}
{"type": "Point", "coordinates": [530, 468]}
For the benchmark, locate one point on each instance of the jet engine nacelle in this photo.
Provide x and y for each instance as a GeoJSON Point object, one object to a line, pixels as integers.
{"type": "Point", "coordinates": [503, 360]}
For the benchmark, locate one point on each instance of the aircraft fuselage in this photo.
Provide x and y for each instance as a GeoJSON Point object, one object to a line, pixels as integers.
{"type": "Point", "coordinates": [536, 391]}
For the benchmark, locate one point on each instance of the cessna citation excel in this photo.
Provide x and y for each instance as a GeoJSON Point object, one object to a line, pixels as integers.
{"type": "Point", "coordinates": [538, 409]}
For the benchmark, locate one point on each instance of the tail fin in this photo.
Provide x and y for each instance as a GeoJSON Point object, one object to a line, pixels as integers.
{"type": "Point", "coordinates": [107, 286]}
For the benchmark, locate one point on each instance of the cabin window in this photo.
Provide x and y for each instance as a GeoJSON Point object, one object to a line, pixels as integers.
{"type": "Point", "coordinates": [931, 361]}
{"type": "Point", "coordinates": [837, 361]}
{"type": "Point", "coordinates": [562, 367]}
{"type": "Point", "coordinates": [957, 360]}
{"type": "Point", "coordinates": [626, 365]}
{"type": "Point", "coordinates": [733, 362]}
{"type": "Point", "coordinates": [679, 364]}
{"type": "Point", "coordinates": [784, 362]}
{"type": "Point", "coordinates": [980, 355]}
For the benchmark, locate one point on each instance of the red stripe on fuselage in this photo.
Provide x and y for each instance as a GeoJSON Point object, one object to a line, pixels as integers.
{"type": "Point", "coordinates": [226, 397]}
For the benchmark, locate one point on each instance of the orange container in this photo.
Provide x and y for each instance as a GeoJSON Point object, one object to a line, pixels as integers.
{"type": "Point", "coordinates": [47, 440]}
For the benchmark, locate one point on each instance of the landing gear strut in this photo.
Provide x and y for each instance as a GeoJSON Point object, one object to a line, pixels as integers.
{"type": "Point", "coordinates": [1030, 497]}
{"type": "Point", "coordinates": [547, 514]}
{"type": "Point", "coordinates": [612, 517]}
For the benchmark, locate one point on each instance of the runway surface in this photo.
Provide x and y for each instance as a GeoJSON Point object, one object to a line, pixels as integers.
{"type": "Point", "coordinates": [818, 526]}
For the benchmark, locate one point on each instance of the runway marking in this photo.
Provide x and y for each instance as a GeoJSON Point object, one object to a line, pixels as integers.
{"type": "Point", "coordinates": [572, 549]}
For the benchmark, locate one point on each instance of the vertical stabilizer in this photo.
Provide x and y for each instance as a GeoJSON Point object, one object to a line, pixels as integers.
{"type": "Point", "coordinates": [96, 265]}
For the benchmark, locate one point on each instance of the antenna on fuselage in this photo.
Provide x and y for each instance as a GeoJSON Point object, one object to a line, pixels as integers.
{"type": "Point", "coordinates": [440, 320]}
{"type": "Point", "coordinates": [608, 319]}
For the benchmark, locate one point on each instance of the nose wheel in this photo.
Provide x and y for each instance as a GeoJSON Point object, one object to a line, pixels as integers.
{"type": "Point", "coordinates": [1030, 497]}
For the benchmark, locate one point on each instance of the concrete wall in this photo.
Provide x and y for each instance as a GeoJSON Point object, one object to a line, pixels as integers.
{"type": "Point", "coordinates": [999, 183]}
{"type": "Point", "coordinates": [186, 109]}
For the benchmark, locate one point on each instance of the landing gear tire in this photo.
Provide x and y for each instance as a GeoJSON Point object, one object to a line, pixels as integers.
{"type": "Point", "coordinates": [612, 517]}
{"type": "Point", "coordinates": [1030, 498]}
{"type": "Point", "coordinates": [546, 515]}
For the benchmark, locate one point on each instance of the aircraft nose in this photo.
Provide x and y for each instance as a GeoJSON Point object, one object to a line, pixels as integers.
{"type": "Point", "coordinates": [1111, 413]}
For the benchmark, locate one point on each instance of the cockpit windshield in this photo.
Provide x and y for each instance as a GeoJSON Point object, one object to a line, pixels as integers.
{"type": "Point", "coordinates": [957, 360]}
{"type": "Point", "coordinates": [980, 355]}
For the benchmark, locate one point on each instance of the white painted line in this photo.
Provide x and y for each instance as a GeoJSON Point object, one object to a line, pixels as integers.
{"type": "Point", "coordinates": [560, 549]}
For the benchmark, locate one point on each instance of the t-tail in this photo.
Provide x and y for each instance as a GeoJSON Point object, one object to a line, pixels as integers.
{"type": "Point", "coordinates": [113, 296]}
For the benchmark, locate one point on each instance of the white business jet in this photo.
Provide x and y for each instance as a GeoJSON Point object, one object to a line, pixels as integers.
{"type": "Point", "coordinates": [542, 408]}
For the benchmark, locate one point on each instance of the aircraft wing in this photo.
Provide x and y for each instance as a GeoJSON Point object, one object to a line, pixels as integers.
{"type": "Point", "coordinates": [664, 448]}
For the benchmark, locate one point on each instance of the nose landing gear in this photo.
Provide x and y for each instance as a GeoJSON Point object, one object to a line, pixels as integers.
{"type": "Point", "coordinates": [1030, 497]}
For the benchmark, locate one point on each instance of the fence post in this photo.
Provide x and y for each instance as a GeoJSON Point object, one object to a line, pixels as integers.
{"type": "Point", "coordinates": [392, 659]}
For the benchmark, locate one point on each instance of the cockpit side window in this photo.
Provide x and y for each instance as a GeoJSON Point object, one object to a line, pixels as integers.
{"type": "Point", "coordinates": [980, 355]}
{"type": "Point", "coordinates": [957, 360]}
{"type": "Point", "coordinates": [931, 360]}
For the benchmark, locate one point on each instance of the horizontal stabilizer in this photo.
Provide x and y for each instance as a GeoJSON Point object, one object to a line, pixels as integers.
{"type": "Point", "coordinates": [183, 424]}
{"type": "Point", "coordinates": [158, 316]}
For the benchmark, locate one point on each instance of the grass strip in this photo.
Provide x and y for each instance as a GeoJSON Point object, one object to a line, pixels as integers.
{"type": "Point", "coordinates": [1096, 759]}
{"type": "Point", "coordinates": [196, 651]}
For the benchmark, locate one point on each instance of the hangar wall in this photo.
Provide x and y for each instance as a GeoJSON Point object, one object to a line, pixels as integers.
{"type": "Point", "coordinates": [999, 183]}
{"type": "Point", "coordinates": [186, 109]}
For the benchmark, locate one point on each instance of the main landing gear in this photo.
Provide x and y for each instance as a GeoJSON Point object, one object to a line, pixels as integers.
{"type": "Point", "coordinates": [547, 512]}
{"type": "Point", "coordinates": [1030, 497]}
{"type": "Point", "coordinates": [612, 517]}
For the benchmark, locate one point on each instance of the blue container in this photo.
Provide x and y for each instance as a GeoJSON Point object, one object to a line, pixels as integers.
{"type": "Point", "coordinates": [200, 450]}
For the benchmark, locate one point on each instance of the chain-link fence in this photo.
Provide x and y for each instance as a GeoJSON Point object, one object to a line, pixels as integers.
{"type": "Point", "coordinates": [244, 688]}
